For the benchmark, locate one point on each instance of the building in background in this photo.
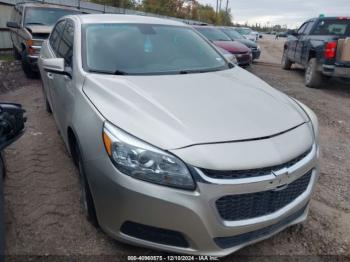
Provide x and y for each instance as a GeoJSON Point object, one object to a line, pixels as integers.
{"type": "Point", "coordinates": [5, 15]}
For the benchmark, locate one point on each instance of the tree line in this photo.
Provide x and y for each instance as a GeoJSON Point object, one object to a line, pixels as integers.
{"type": "Point", "coordinates": [185, 9]}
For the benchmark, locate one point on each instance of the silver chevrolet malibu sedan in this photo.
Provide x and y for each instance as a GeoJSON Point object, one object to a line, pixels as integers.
{"type": "Point", "coordinates": [177, 148]}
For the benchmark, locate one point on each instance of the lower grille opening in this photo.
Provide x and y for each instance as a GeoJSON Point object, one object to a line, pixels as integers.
{"type": "Point", "coordinates": [251, 205]}
{"type": "Point", "coordinates": [154, 234]}
{"type": "Point", "coordinates": [227, 242]}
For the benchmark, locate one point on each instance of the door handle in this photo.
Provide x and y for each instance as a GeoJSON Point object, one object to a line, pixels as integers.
{"type": "Point", "coordinates": [50, 75]}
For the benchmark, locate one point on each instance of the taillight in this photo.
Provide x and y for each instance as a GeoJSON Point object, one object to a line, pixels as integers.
{"type": "Point", "coordinates": [330, 51]}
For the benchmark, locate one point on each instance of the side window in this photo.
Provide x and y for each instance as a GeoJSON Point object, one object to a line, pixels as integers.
{"type": "Point", "coordinates": [302, 29]}
{"type": "Point", "coordinates": [309, 27]}
{"type": "Point", "coordinates": [56, 36]}
{"type": "Point", "coordinates": [65, 48]}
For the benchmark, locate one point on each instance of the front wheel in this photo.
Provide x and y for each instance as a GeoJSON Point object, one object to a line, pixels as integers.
{"type": "Point", "coordinates": [86, 199]}
{"type": "Point", "coordinates": [16, 54]}
{"type": "Point", "coordinates": [27, 68]}
{"type": "Point", "coordinates": [313, 78]}
{"type": "Point", "coordinates": [286, 63]}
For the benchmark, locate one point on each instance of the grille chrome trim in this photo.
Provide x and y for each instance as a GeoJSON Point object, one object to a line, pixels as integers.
{"type": "Point", "coordinates": [295, 171]}
{"type": "Point", "coordinates": [237, 174]}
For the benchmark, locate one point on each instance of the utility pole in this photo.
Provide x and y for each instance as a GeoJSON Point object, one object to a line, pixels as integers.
{"type": "Point", "coordinates": [226, 6]}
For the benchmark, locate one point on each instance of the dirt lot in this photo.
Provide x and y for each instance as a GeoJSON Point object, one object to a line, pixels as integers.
{"type": "Point", "coordinates": [42, 191]}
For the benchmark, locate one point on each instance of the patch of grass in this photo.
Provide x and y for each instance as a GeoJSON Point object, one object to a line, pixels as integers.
{"type": "Point", "coordinates": [6, 57]}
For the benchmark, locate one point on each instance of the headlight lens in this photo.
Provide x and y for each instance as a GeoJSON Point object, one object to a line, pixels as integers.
{"type": "Point", "coordinates": [312, 116]}
{"type": "Point", "coordinates": [140, 160]}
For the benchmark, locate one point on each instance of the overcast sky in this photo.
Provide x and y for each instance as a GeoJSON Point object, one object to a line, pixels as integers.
{"type": "Point", "coordinates": [289, 12]}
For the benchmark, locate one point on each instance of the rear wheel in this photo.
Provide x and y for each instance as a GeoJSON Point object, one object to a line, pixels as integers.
{"type": "Point", "coordinates": [86, 200]}
{"type": "Point", "coordinates": [286, 63]}
{"type": "Point", "coordinates": [313, 78]}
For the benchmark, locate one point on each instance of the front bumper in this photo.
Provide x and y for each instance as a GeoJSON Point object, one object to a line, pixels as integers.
{"type": "Point", "coordinates": [336, 71]}
{"type": "Point", "coordinates": [244, 59]}
{"type": "Point", "coordinates": [256, 53]}
{"type": "Point", "coordinates": [120, 199]}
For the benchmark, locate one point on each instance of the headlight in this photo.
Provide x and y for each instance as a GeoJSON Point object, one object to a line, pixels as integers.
{"type": "Point", "coordinates": [140, 160]}
{"type": "Point", "coordinates": [312, 116]}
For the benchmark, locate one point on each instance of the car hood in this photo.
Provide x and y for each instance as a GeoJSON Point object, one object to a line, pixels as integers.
{"type": "Point", "coordinates": [232, 46]}
{"type": "Point", "coordinates": [39, 29]}
{"type": "Point", "coordinates": [248, 43]}
{"type": "Point", "coordinates": [176, 111]}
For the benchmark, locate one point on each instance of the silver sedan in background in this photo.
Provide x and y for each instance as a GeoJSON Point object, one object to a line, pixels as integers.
{"type": "Point", "coordinates": [177, 148]}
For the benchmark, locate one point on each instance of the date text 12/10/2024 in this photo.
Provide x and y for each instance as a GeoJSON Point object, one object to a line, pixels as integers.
{"type": "Point", "coordinates": [172, 258]}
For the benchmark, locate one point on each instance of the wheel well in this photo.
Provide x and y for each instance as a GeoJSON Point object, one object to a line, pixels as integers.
{"type": "Point", "coordinates": [23, 47]}
{"type": "Point", "coordinates": [72, 140]}
{"type": "Point", "coordinates": [312, 54]}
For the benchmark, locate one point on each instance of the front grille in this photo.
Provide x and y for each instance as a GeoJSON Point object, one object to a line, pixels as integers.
{"type": "Point", "coordinates": [154, 234]}
{"type": "Point", "coordinates": [235, 174]}
{"type": "Point", "coordinates": [251, 205]}
{"type": "Point", "coordinates": [227, 242]}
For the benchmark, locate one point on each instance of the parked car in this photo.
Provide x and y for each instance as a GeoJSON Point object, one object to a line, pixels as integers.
{"type": "Point", "coordinates": [235, 36]}
{"type": "Point", "coordinates": [321, 45]}
{"type": "Point", "coordinates": [30, 25]}
{"type": "Point", "coordinates": [11, 128]}
{"type": "Point", "coordinates": [177, 149]}
{"type": "Point", "coordinates": [243, 53]}
{"type": "Point", "coordinates": [229, 57]}
{"type": "Point", "coordinates": [286, 33]}
{"type": "Point", "coordinates": [247, 33]}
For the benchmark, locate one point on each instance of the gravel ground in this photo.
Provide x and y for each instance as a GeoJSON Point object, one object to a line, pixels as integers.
{"type": "Point", "coordinates": [43, 216]}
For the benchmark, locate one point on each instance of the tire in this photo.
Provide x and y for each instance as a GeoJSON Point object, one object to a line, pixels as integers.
{"type": "Point", "coordinates": [286, 63]}
{"type": "Point", "coordinates": [16, 54]}
{"type": "Point", "coordinates": [86, 200]}
{"type": "Point", "coordinates": [313, 78]}
{"type": "Point", "coordinates": [47, 104]}
{"type": "Point", "coordinates": [27, 68]}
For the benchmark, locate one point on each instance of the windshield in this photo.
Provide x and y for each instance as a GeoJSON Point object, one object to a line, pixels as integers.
{"type": "Point", "coordinates": [234, 35]}
{"type": "Point", "coordinates": [143, 49]}
{"type": "Point", "coordinates": [244, 31]}
{"type": "Point", "coordinates": [340, 27]}
{"type": "Point", "coordinates": [213, 34]}
{"type": "Point", "coordinates": [45, 16]}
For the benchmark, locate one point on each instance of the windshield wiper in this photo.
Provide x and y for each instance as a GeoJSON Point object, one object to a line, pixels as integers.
{"type": "Point", "coordinates": [35, 23]}
{"type": "Point", "coordinates": [117, 72]}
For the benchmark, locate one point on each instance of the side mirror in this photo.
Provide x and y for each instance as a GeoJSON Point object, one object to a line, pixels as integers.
{"type": "Point", "coordinates": [293, 33]}
{"type": "Point", "coordinates": [56, 66]}
{"type": "Point", "coordinates": [11, 24]}
{"type": "Point", "coordinates": [11, 123]}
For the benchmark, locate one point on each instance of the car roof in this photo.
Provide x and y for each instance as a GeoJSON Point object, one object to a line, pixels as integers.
{"type": "Point", "coordinates": [205, 26]}
{"type": "Point", "coordinates": [121, 18]}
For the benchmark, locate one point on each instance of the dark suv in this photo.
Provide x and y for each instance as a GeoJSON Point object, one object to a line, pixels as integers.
{"type": "Point", "coordinates": [30, 25]}
{"type": "Point", "coordinates": [322, 46]}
